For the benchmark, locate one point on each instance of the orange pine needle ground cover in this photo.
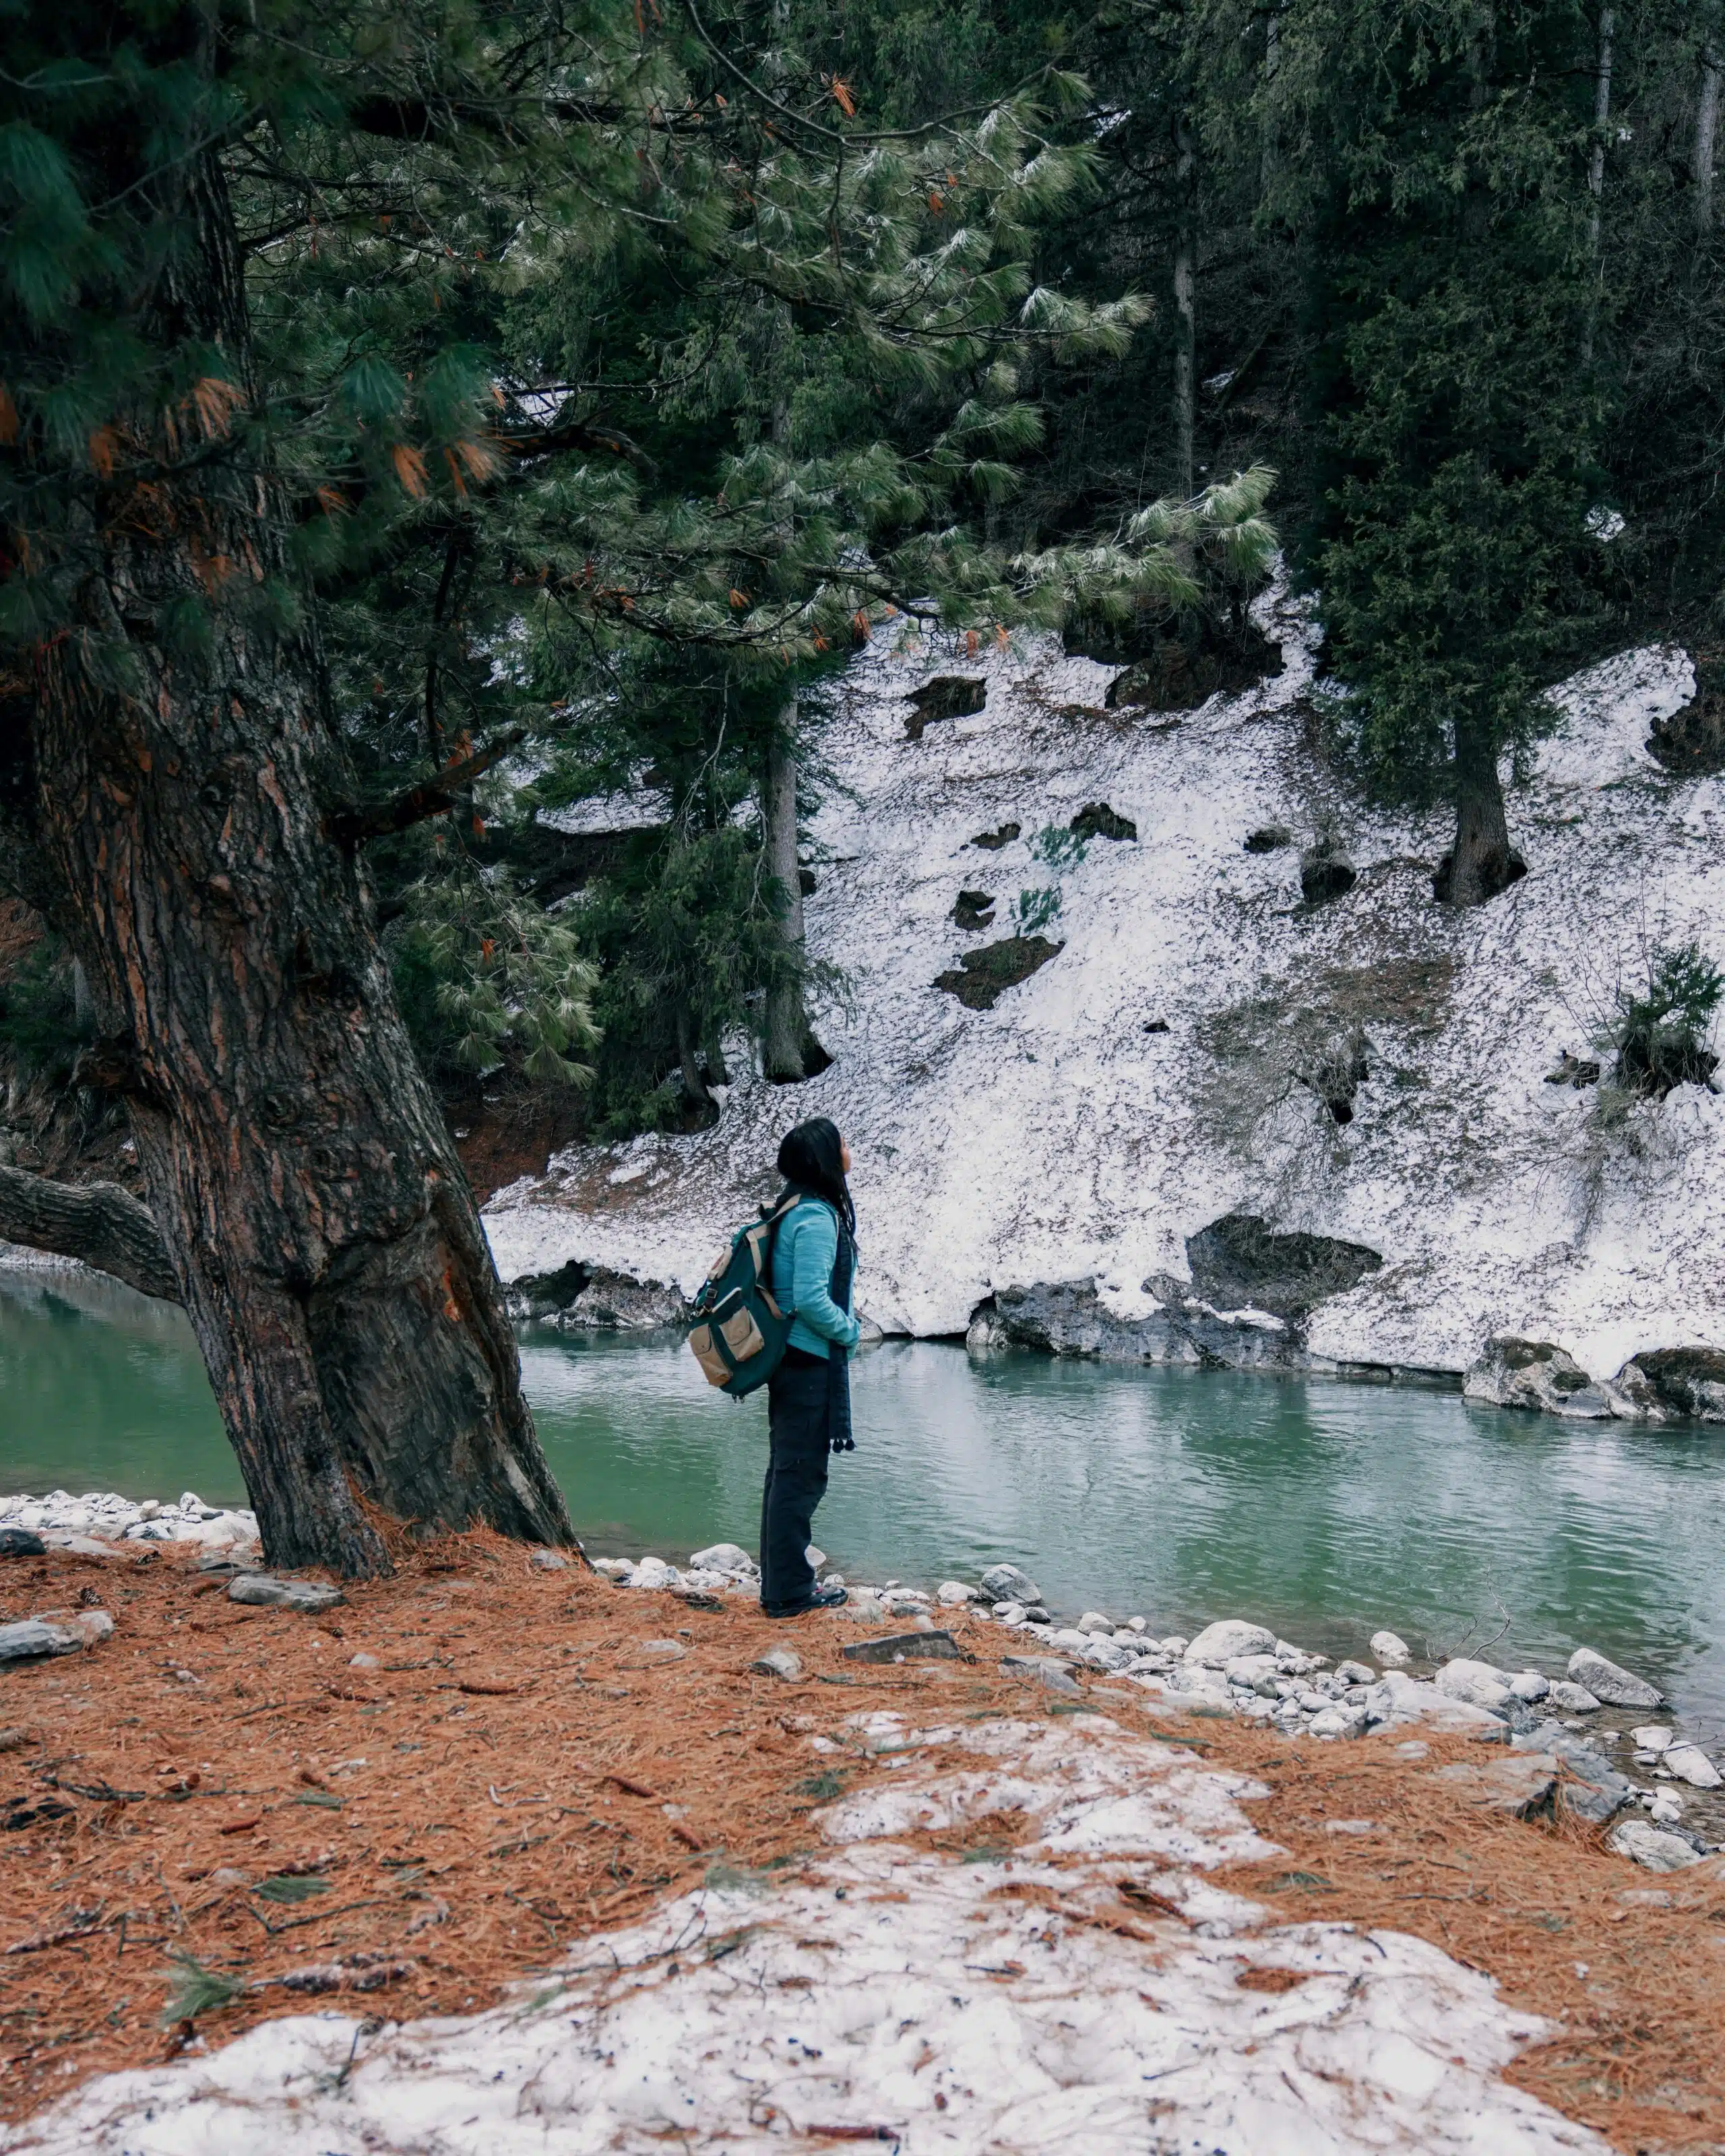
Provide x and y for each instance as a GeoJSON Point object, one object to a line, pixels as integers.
{"type": "Point", "coordinates": [218, 1785]}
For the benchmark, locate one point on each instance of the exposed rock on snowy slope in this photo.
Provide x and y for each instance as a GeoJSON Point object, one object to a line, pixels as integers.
{"type": "Point", "coordinates": [1205, 1044]}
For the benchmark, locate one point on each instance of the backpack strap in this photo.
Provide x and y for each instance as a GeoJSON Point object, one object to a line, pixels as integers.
{"type": "Point", "coordinates": [764, 1242]}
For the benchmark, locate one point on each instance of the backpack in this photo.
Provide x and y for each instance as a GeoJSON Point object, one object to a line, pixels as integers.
{"type": "Point", "coordinates": [740, 1332]}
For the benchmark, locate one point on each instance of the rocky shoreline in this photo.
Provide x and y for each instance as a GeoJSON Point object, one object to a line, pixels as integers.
{"type": "Point", "coordinates": [1626, 1766]}
{"type": "Point", "coordinates": [1234, 1667]}
{"type": "Point", "coordinates": [1262, 1328]}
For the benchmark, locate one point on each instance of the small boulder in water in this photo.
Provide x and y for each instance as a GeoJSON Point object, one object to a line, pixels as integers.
{"type": "Point", "coordinates": [1691, 1764]}
{"type": "Point", "coordinates": [1391, 1652]}
{"type": "Point", "coordinates": [1005, 1583]}
{"type": "Point", "coordinates": [1606, 1680]}
{"type": "Point", "coordinates": [1480, 1684]}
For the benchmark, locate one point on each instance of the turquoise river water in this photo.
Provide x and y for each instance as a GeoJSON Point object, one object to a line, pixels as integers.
{"type": "Point", "coordinates": [1325, 1510]}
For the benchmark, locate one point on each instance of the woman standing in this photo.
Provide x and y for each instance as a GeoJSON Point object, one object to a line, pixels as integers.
{"type": "Point", "coordinates": [809, 1395]}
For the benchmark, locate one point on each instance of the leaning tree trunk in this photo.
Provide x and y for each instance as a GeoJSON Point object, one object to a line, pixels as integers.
{"type": "Point", "coordinates": [1483, 862]}
{"type": "Point", "coordinates": [324, 1238]}
{"type": "Point", "coordinates": [791, 1053]}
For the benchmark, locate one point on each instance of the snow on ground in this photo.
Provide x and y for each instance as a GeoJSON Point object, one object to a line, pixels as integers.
{"type": "Point", "coordinates": [949, 2006]}
{"type": "Point", "coordinates": [1054, 1139]}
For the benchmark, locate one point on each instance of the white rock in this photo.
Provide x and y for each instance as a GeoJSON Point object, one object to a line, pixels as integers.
{"type": "Point", "coordinates": [1339, 1722]}
{"type": "Point", "coordinates": [1607, 1681]}
{"type": "Point", "coordinates": [1093, 1620]}
{"type": "Point", "coordinates": [1653, 1738]}
{"type": "Point", "coordinates": [722, 1557]}
{"type": "Point", "coordinates": [781, 1662]}
{"type": "Point", "coordinates": [817, 1558]}
{"type": "Point", "coordinates": [1005, 1583]}
{"type": "Point", "coordinates": [652, 1573]}
{"type": "Point", "coordinates": [1528, 1686]}
{"type": "Point", "coordinates": [1391, 1652]}
{"type": "Point", "coordinates": [1248, 1669]}
{"type": "Point", "coordinates": [1575, 1698]}
{"type": "Point", "coordinates": [311, 1597]}
{"type": "Point", "coordinates": [1652, 1846]}
{"type": "Point", "coordinates": [616, 1568]}
{"type": "Point", "coordinates": [78, 1545]}
{"type": "Point", "coordinates": [1009, 1613]}
{"type": "Point", "coordinates": [954, 1593]}
{"type": "Point", "coordinates": [1356, 1673]}
{"type": "Point", "coordinates": [1220, 1642]}
{"type": "Point", "coordinates": [1691, 1764]}
{"type": "Point", "coordinates": [1397, 1699]}
{"type": "Point", "coordinates": [363, 1661]}
{"type": "Point", "coordinates": [55, 1632]}
{"type": "Point", "coordinates": [1480, 1684]}
{"type": "Point", "coordinates": [1536, 1374]}
{"type": "Point", "coordinates": [1176, 1644]}
{"type": "Point", "coordinates": [1069, 1635]}
{"type": "Point", "coordinates": [1664, 1808]}
{"type": "Point", "coordinates": [646, 1654]}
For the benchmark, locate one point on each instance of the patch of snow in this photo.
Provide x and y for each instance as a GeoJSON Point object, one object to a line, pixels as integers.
{"type": "Point", "coordinates": [882, 1988]}
{"type": "Point", "coordinates": [1051, 1139]}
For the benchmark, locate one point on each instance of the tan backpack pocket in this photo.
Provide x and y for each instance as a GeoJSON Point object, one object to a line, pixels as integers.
{"type": "Point", "coordinates": [706, 1350]}
{"type": "Point", "coordinates": [742, 1335]}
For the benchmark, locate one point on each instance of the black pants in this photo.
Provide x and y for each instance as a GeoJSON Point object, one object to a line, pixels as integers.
{"type": "Point", "coordinates": [798, 1421]}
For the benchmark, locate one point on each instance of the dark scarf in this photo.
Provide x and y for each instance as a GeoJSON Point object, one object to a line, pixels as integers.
{"type": "Point", "coordinates": [839, 1358]}
{"type": "Point", "coordinates": [839, 1287]}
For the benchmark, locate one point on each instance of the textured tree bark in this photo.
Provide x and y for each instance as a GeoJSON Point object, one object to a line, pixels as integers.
{"type": "Point", "coordinates": [321, 1232]}
{"type": "Point", "coordinates": [1268, 146]}
{"type": "Point", "coordinates": [1596, 167]}
{"type": "Point", "coordinates": [1186, 308]}
{"type": "Point", "coordinates": [1707, 132]}
{"type": "Point", "coordinates": [1483, 862]}
{"type": "Point", "coordinates": [791, 1052]}
{"type": "Point", "coordinates": [98, 1223]}
{"type": "Point", "coordinates": [694, 1092]}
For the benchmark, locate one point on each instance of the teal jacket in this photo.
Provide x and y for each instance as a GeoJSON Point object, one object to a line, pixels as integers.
{"type": "Point", "coordinates": [803, 1259]}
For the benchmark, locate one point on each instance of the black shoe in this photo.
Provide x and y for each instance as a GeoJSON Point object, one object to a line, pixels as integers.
{"type": "Point", "coordinates": [823, 1598]}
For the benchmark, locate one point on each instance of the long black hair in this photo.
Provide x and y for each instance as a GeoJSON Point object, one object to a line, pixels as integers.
{"type": "Point", "coordinates": [810, 1159]}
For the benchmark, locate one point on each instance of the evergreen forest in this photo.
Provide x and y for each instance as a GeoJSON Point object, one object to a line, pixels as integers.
{"type": "Point", "coordinates": [418, 421]}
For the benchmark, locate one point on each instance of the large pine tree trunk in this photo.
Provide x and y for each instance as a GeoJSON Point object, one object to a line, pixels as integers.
{"type": "Point", "coordinates": [791, 1052]}
{"type": "Point", "coordinates": [326, 1243]}
{"type": "Point", "coordinates": [1483, 862]}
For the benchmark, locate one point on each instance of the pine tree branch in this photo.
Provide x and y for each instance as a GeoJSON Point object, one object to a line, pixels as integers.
{"type": "Point", "coordinates": [352, 827]}
{"type": "Point", "coordinates": [98, 1223]}
{"type": "Point", "coordinates": [575, 434]}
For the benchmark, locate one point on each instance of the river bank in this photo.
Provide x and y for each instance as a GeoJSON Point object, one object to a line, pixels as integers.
{"type": "Point", "coordinates": [1624, 1751]}
{"type": "Point", "coordinates": [496, 1771]}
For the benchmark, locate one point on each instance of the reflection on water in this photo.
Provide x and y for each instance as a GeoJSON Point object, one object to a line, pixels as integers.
{"type": "Point", "coordinates": [1325, 1510]}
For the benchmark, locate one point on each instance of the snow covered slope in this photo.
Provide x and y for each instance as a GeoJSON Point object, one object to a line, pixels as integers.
{"type": "Point", "coordinates": [972, 2007]}
{"type": "Point", "coordinates": [1062, 1136]}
